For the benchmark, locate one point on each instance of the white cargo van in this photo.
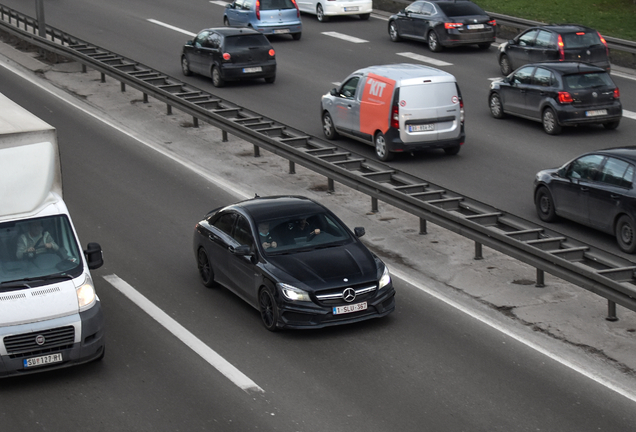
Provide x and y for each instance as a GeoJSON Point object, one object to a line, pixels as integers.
{"type": "Point", "coordinates": [397, 108]}
{"type": "Point", "coordinates": [50, 315]}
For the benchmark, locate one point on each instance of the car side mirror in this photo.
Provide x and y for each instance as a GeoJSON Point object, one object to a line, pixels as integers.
{"type": "Point", "coordinates": [334, 92]}
{"type": "Point", "coordinates": [512, 42]}
{"type": "Point", "coordinates": [94, 256]}
{"type": "Point", "coordinates": [229, 6]}
{"type": "Point", "coordinates": [402, 11]}
{"type": "Point", "coordinates": [359, 231]}
{"type": "Point", "coordinates": [189, 43]}
{"type": "Point", "coordinates": [242, 250]}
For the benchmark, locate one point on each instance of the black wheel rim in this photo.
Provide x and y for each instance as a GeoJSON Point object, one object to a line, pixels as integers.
{"type": "Point", "coordinates": [267, 308]}
{"type": "Point", "coordinates": [204, 266]}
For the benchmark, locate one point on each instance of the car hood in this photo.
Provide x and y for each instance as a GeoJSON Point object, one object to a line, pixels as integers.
{"type": "Point", "coordinates": [321, 268]}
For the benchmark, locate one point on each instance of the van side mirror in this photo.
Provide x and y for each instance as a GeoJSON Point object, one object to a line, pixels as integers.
{"type": "Point", "coordinates": [359, 231]}
{"type": "Point", "coordinates": [229, 6]}
{"type": "Point", "coordinates": [94, 256]}
{"type": "Point", "coordinates": [334, 92]}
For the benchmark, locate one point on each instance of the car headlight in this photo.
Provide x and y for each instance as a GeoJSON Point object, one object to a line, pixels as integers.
{"type": "Point", "coordinates": [85, 294]}
{"type": "Point", "coordinates": [385, 279]}
{"type": "Point", "coordinates": [292, 293]}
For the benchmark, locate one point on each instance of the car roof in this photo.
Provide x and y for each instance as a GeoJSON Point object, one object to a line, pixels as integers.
{"type": "Point", "coordinates": [628, 152]}
{"type": "Point", "coordinates": [272, 207]}
{"type": "Point", "coordinates": [565, 28]}
{"type": "Point", "coordinates": [406, 71]}
{"type": "Point", "coordinates": [568, 67]}
{"type": "Point", "coordinates": [232, 31]}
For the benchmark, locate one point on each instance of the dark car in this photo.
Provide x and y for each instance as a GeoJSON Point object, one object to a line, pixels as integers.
{"type": "Point", "coordinates": [229, 54]}
{"type": "Point", "coordinates": [293, 260]}
{"type": "Point", "coordinates": [444, 24]}
{"type": "Point", "coordinates": [566, 42]}
{"type": "Point", "coordinates": [558, 94]}
{"type": "Point", "coordinates": [595, 189]}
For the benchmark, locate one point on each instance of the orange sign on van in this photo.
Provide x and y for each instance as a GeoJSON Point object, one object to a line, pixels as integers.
{"type": "Point", "coordinates": [375, 104]}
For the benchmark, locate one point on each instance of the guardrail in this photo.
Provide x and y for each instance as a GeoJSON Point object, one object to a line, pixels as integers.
{"type": "Point", "coordinates": [603, 273]}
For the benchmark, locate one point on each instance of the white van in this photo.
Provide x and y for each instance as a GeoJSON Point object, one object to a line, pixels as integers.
{"type": "Point", "coordinates": [397, 108]}
{"type": "Point", "coordinates": [50, 315]}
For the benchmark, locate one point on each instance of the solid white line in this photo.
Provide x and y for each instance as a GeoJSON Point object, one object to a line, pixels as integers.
{"type": "Point", "coordinates": [628, 393]}
{"type": "Point", "coordinates": [345, 37]}
{"type": "Point", "coordinates": [629, 114]}
{"type": "Point", "coordinates": [424, 59]}
{"type": "Point", "coordinates": [220, 3]}
{"type": "Point", "coordinates": [171, 27]}
{"type": "Point", "coordinates": [623, 75]}
{"type": "Point", "coordinates": [207, 353]}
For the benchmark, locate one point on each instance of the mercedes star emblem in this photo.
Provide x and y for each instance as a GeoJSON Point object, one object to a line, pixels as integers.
{"type": "Point", "coordinates": [349, 295]}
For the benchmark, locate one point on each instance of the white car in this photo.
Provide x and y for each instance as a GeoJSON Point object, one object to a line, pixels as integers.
{"type": "Point", "coordinates": [323, 9]}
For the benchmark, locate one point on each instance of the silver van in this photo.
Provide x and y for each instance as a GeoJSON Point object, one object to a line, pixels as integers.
{"type": "Point", "coordinates": [397, 108]}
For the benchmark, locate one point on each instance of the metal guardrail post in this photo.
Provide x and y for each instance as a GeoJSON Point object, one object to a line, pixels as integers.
{"type": "Point", "coordinates": [292, 167]}
{"type": "Point", "coordinates": [540, 279]}
{"type": "Point", "coordinates": [374, 205]}
{"type": "Point", "coordinates": [478, 251]}
{"type": "Point", "coordinates": [423, 226]}
{"type": "Point", "coordinates": [611, 311]}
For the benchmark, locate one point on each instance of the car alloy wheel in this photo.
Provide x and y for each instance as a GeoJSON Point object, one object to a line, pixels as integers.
{"type": "Point", "coordinates": [320, 14]}
{"type": "Point", "coordinates": [381, 149]}
{"type": "Point", "coordinates": [504, 65]}
{"type": "Point", "coordinates": [268, 309]}
{"type": "Point", "coordinates": [625, 234]}
{"type": "Point", "coordinates": [205, 268]}
{"type": "Point", "coordinates": [185, 66]}
{"type": "Point", "coordinates": [545, 205]}
{"type": "Point", "coordinates": [496, 109]}
{"type": "Point", "coordinates": [217, 80]}
{"type": "Point", "coordinates": [393, 32]}
{"type": "Point", "coordinates": [328, 127]}
{"type": "Point", "coordinates": [433, 42]}
{"type": "Point", "coordinates": [550, 122]}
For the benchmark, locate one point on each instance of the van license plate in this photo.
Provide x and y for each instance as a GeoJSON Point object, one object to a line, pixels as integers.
{"type": "Point", "coordinates": [252, 69]}
{"type": "Point", "coordinates": [595, 113]}
{"type": "Point", "coordinates": [339, 310]}
{"type": "Point", "coordinates": [475, 26]}
{"type": "Point", "coordinates": [42, 360]}
{"type": "Point", "coordinates": [421, 128]}
{"type": "Point", "coordinates": [351, 9]}
{"type": "Point", "coordinates": [281, 31]}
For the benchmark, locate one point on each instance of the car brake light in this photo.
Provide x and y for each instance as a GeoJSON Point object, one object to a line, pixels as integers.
{"type": "Point", "coordinates": [226, 56]}
{"type": "Point", "coordinates": [461, 111]}
{"type": "Point", "coordinates": [258, 10]}
{"type": "Point", "coordinates": [617, 93]}
{"type": "Point", "coordinates": [564, 97]}
{"type": "Point", "coordinates": [272, 53]}
{"type": "Point", "coordinates": [395, 117]}
{"type": "Point", "coordinates": [604, 43]}
{"type": "Point", "coordinates": [492, 22]}
{"type": "Point", "coordinates": [580, 33]}
{"type": "Point", "coordinates": [297, 10]}
{"type": "Point", "coordinates": [561, 51]}
{"type": "Point", "coordinates": [449, 26]}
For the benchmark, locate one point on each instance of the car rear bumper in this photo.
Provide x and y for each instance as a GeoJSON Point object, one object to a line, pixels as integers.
{"type": "Point", "coordinates": [230, 72]}
{"type": "Point", "coordinates": [571, 115]}
{"type": "Point", "coordinates": [455, 37]}
{"type": "Point", "coordinates": [351, 8]}
{"type": "Point", "coordinates": [280, 29]}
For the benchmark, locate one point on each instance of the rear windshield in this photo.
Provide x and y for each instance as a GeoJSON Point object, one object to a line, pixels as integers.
{"type": "Point", "coordinates": [277, 4]}
{"type": "Point", "coordinates": [433, 95]}
{"type": "Point", "coordinates": [246, 41]}
{"type": "Point", "coordinates": [588, 80]}
{"type": "Point", "coordinates": [580, 39]}
{"type": "Point", "coordinates": [460, 9]}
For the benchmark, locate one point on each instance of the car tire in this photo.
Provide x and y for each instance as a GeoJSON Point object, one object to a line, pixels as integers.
{"type": "Point", "coordinates": [496, 107]}
{"type": "Point", "coordinates": [394, 34]}
{"type": "Point", "coordinates": [320, 14]}
{"type": "Point", "coordinates": [626, 234]}
{"type": "Point", "coordinates": [365, 17]}
{"type": "Point", "coordinates": [433, 41]}
{"type": "Point", "coordinates": [611, 125]}
{"type": "Point", "coordinates": [328, 127]}
{"type": "Point", "coordinates": [484, 46]}
{"type": "Point", "coordinates": [505, 65]}
{"type": "Point", "coordinates": [550, 122]}
{"type": "Point", "coordinates": [544, 203]}
{"type": "Point", "coordinates": [268, 308]}
{"type": "Point", "coordinates": [226, 22]}
{"type": "Point", "coordinates": [452, 151]}
{"type": "Point", "coordinates": [270, 79]}
{"type": "Point", "coordinates": [297, 36]}
{"type": "Point", "coordinates": [185, 66]}
{"type": "Point", "coordinates": [205, 268]}
{"type": "Point", "coordinates": [217, 79]}
{"type": "Point", "coordinates": [381, 149]}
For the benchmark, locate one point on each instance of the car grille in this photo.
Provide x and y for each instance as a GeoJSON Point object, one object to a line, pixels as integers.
{"type": "Point", "coordinates": [334, 296]}
{"type": "Point", "coordinates": [25, 344]}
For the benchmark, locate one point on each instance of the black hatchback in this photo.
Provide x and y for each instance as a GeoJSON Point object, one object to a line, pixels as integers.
{"type": "Point", "coordinates": [229, 54]}
{"type": "Point", "coordinates": [558, 94]}
{"type": "Point", "coordinates": [566, 42]}
{"type": "Point", "coordinates": [444, 24]}
{"type": "Point", "coordinates": [595, 189]}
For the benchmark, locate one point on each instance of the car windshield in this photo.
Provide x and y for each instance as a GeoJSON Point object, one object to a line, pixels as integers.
{"type": "Point", "coordinates": [38, 248]}
{"type": "Point", "coordinates": [460, 9]}
{"type": "Point", "coordinates": [588, 80]}
{"type": "Point", "coordinates": [303, 232]}
{"type": "Point", "coordinates": [245, 41]}
{"type": "Point", "coordinates": [276, 4]}
{"type": "Point", "coordinates": [580, 39]}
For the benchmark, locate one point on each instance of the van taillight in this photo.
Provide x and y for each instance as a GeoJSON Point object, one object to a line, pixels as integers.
{"type": "Point", "coordinates": [461, 111]}
{"type": "Point", "coordinates": [297, 10]}
{"type": "Point", "coordinates": [564, 97]}
{"type": "Point", "coordinates": [617, 93]}
{"type": "Point", "coordinates": [258, 9]}
{"type": "Point", "coordinates": [561, 46]}
{"type": "Point", "coordinates": [449, 26]}
{"type": "Point", "coordinates": [395, 117]}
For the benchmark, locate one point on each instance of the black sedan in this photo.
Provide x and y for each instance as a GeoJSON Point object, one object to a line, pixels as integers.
{"type": "Point", "coordinates": [595, 189]}
{"type": "Point", "coordinates": [229, 54]}
{"type": "Point", "coordinates": [444, 24]}
{"type": "Point", "coordinates": [293, 260]}
{"type": "Point", "coordinates": [558, 94]}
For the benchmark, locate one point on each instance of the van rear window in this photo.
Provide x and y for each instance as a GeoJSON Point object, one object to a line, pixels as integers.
{"type": "Point", "coordinates": [277, 4]}
{"type": "Point", "coordinates": [433, 95]}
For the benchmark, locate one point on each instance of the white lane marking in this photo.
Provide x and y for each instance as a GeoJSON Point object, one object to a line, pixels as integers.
{"type": "Point", "coordinates": [518, 335]}
{"type": "Point", "coordinates": [345, 37]}
{"type": "Point", "coordinates": [207, 353]}
{"type": "Point", "coordinates": [424, 59]}
{"type": "Point", "coordinates": [220, 3]}
{"type": "Point", "coordinates": [177, 29]}
{"type": "Point", "coordinates": [623, 75]}
{"type": "Point", "coordinates": [629, 114]}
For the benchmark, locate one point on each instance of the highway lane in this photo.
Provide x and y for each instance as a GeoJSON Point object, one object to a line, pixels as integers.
{"type": "Point", "coordinates": [499, 159]}
{"type": "Point", "coordinates": [427, 365]}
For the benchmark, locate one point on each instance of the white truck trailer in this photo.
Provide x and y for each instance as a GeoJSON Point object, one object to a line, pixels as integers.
{"type": "Point", "coordinates": [50, 314]}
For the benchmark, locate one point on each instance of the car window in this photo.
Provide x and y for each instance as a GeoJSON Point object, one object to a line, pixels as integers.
{"type": "Point", "coordinates": [348, 89]}
{"type": "Point", "coordinates": [214, 40]}
{"type": "Point", "coordinates": [617, 172]}
{"type": "Point", "coordinates": [460, 9]}
{"type": "Point", "coordinates": [246, 41]}
{"type": "Point", "coordinates": [201, 39]}
{"type": "Point", "coordinates": [428, 9]}
{"type": "Point", "coordinates": [527, 39]}
{"type": "Point", "coordinates": [243, 232]}
{"type": "Point", "coordinates": [544, 40]}
{"type": "Point", "coordinates": [586, 167]}
{"type": "Point", "coordinates": [588, 80]}
{"type": "Point", "coordinates": [523, 75]}
{"type": "Point", "coordinates": [580, 39]}
{"type": "Point", "coordinates": [225, 222]}
{"type": "Point", "coordinates": [277, 4]}
{"type": "Point", "coordinates": [543, 77]}
{"type": "Point", "coordinates": [415, 8]}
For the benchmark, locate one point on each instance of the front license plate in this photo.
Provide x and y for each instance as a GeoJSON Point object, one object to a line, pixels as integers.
{"type": "Point", "coordinates": [42, 360]}
{"type": "Point", "coordinates": [475, 26]}
{"type": "Point", "coordinates": [281, 31]}
{"type": "Point", "coordinates": [421, 128]}
{"type": "Point", "coordinates": [595, 113]}
{"type": "Point", "coordinates": [339, 310]}
{"type": "Point", "coordinates": [351, 9]}
{"type": "Point", "coordinates": [252, 69]}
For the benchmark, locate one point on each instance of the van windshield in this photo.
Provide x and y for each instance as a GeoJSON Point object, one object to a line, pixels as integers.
{"type": "Point", "coordinates": [38, 248]}
{"type": "Point", "coordinates": [432, 95]}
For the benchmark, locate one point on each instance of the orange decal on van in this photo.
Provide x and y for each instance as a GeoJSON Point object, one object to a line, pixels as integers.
{"type": "Point", "coordinates": [375, 104]}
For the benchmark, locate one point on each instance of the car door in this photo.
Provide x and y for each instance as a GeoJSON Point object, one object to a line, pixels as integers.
{"type": "Point", "coordinates": [519, 51]}
{"type": "Point", "coordinates": [417, 24]}
{"type": "Point", "coordinates": [210, 52]}
{"type": "Point", "coordinates": [514, 95]}
{"type": "Point", "coordinates": [543, 48]}
{"type": "Point", "coordinates": [542, 86]}
{"type": "Point", "coordinates": [347, 106]}
{"type": "Point", "coordinates": [243, 278]}
{"type": "Point", "coordinates": [608, 196]}
{"type": "Point", "coordinates": [238, 12]}
{"type": "Point", "coordinates": [307, 5]}
{"type": "Point", "coordinates": [195, 52]}
{"type": "Point", "coordinates": [219, 240]}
